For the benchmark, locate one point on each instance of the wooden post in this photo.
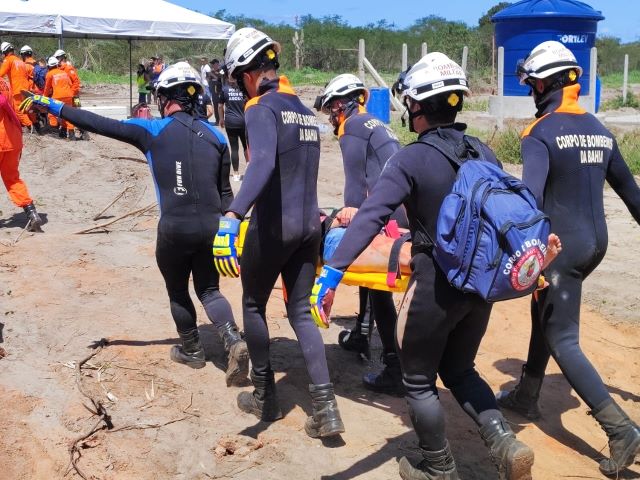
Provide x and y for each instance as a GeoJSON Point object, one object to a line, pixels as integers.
{"type": "Point", "coordinates": [625, 79]}
{"type": "Point", "coordinates": [404, 57]}
{"type": "Point", "coordinates": [361, 59]}
{"type": "Point", "coordinates": [593, 71]}
{"type": "Point", "coordinates": [500, 88]}
{"type": "Point", "coordinates": [465, 55]}
{"type": "Point", "coordinates": [423, 49]}
{"type": "Point", "coordinates": [296, 43]}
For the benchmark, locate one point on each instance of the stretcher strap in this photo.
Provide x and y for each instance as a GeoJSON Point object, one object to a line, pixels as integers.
{"type": "Point", "coordinates": [393, 269]}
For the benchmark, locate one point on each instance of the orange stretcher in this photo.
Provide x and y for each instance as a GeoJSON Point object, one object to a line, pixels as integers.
{"type": "Point", "coordinates": [383, 265]}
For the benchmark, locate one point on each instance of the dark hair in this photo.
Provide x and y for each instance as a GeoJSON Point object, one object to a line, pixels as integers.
{"type": "Point", "coordinates": [215, 60]}
{"type": "Point", "coordinates": [438, 109]}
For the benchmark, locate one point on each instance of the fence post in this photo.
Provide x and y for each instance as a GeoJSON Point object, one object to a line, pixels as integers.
{"type": "Point", "coordinates": [625, 79]}
{"type": "Point", "coordinates": [593, 70]}
{"type": "Point", "coordinates": [404, 57]}
{"type": "Point", "coordinates": [361, 59]}
{"type": "Point", "coordinates": [424, 49]}
{"type": "Point", "coordinates": [500, 88]}
{"type": "Point", "coordinates": [465, 55]}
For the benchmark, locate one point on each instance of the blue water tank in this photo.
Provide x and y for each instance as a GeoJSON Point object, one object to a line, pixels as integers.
{"type": "Point", "coordinates": [379, 103]}
{"type": "Point", "coordinates": [525, 24]}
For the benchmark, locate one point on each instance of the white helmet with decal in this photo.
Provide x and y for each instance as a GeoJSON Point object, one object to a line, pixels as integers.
{"type": "Point", "coordinates": [546, 59]}
{"type": "Point", "coordinates": [341, 86]}
{"type": "Point", "coordinates": [243, 47]}
{"type": "Point", "coordinates": [434, 73]}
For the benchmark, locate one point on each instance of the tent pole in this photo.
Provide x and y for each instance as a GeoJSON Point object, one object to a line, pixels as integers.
{"type": "Point", "coordinates": [130, 82]}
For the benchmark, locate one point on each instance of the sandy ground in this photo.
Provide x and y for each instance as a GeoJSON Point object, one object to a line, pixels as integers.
{"type": "Point", "coordinates": [60, 293]}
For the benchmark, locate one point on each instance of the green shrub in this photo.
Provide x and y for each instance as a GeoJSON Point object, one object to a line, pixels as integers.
{"type": "Point", "coordinates": [629, 144]}
{"type": "Point", "coordinates": [88, 77]}
{"type": "Point", "coordinates": [616, 102]}
{"type": "Point", "coordinates": [506, 145]}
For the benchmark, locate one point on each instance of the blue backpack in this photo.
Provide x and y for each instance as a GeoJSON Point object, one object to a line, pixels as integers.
{"type": "Point", "coordinates": [490, 237]}
{"type": "Point", "coordinates": [39, 76]}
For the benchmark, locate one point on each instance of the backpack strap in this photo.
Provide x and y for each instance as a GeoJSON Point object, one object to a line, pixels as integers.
{"type": "Point", "coordinates": [393, 268]}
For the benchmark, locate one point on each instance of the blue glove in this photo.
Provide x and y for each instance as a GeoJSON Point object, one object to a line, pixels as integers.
{"type": "Point", "coordinates": [322, 295]}
{"type": "Point", "coordinates": [225, 255]}
{"type": "Point", "coordinates": [54, 106]}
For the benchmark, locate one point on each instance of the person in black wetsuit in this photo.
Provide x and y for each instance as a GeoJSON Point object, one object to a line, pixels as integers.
{"type": "Point", "coordinates": [232, 101]}
{"type": "Point", "coordinates": [283, 237]}
{"type": "Point", "coordinates": [439, 327]}
{"type": "Point", "coordinates": [567, 155]}
{"type": "Point", "coordinates": [366, 144]}
{"type": "Point", "coordinates": [189, 163]}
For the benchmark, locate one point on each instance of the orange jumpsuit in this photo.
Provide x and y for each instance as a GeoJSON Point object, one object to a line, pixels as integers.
{"type": "Point", "coordinates": [73, 75]}
{"type": "Point", "coordinates": [16, 70]}
{"type": "Point", "coordinates": [58, 85]}
{"type": "Point", "coordinates": [29, 64]}
{"type": "Point", "coordinates": [11, 149]}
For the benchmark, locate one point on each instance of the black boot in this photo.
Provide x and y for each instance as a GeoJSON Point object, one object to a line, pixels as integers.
{"type": "Point", "coordinates": [263, 401]}
{"type": "Point", "coordinates": [437, 465]}
{"type": "Point", "coordinates": [624, 438]}
{"type": "Point", "coordinates": [523, 399]}
{"type": "Point", "coordinates": [389, 380]}
{"type": "Point", "coordinates": [190, 353]}
{"type": "Point", "coordinates": [512, 458]}
{"type": "Point", "coordinates": [358, 339]}
{"type": "Point", "coordinates": [237, 354]}
{"type": "Point", "coordinates": [325, 420]}
{"type": "Point", "coordinates": [34, 222]}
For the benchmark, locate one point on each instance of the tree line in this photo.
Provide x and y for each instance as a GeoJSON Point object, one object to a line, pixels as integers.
{"type": "Point", "coordinates": [329, 44]}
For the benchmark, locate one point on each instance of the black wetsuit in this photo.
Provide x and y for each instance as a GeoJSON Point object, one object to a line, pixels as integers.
{"type": "Point", "coordinates": [568, 154]}
{"type": "Point", "coordinates": [234, 101]}
{"type": "Point", "coordinates": [284, 233]}
{"type": "Point", "coordinates": [189, 163]}
{"type": "Point", "coordinates": [439, 327]}
{"type": "Point", "coordinates": [366, 144]}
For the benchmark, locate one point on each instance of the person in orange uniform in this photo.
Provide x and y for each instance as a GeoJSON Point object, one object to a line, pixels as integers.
{"type": "Point", "coordinates": [67, 66]}
{"type": "Point", "coordinates": [16, 70]}
{"type": "Point", "coordinates": [58, 85]}
{"type": "Point", "coordinates": [10, 152]}
{"type": "Point", "coordinates": [27, 57]}
{"type": "Point", "coordinates": [29, 62]}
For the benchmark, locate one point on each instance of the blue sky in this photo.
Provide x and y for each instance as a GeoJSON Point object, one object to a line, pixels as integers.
{"type": "Point", "coordinates": [622, 16]}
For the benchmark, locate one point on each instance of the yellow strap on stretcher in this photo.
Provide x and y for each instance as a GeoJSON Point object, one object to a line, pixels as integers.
{"type": "Point", "coordinates": [374, 280]}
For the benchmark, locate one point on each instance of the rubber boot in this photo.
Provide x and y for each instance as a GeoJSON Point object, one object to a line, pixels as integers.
{"type": "Point", "coordinates": [358, 339]}
{"type": "Point", "coordinates": [523, 399]}
{"type": "Point", "coordinates": [263, 401]}
{"type": "Point", "coordinates": [624, 438]}
{"type": "Point", "coordinates": [512, 458]}
{"type": "Point", "coordinates": [389, 380]}
{"type": "Point", "coordinates": [436, 465]}
{"type": "Point", "coordinates": [237, 354]}
{"type": "Point", "coordinates": [190, 353]}
{"type": "Point", "coordinates": [34, 221]}
{"type": "Point", "coordinates": [325, 419]}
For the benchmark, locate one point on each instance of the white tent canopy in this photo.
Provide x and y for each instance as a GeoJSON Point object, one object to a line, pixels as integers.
{"type": "Point", "coordinates": [127, 19]}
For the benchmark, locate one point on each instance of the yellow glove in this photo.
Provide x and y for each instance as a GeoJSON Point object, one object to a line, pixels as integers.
{"type": "Point", "coordinates": [225, 255]}
{"type": "Point", "coordinates": [50, 104]}
{"type": "Point", "coordinates": [322, 295]}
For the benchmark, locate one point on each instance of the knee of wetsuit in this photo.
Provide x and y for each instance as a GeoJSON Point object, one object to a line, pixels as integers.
{"type": "Point", "coordinates": [460, 383]}
{"type": "Point", "coordinates": [419, 387]}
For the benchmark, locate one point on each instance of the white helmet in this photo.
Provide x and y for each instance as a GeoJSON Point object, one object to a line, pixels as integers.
{"type": "Point", "coordinates": [5, 47]}
{"type": "Point", "coordinates": [178, 74]}
{"type": "Point", "coordinates": [244, 45]}
{"type": "Point", "coordinates": [546, 59]}
{"type": "Point", "coordinates": [435, 73]}
{"type": "Point", "coordinates": [59, 53]}
{"type": "Point", "coordinates": [26, 49]}
{"type": "Point", "coordinates": [343, 85]}
{"type": "Point", "coordinates": [53, 62]}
